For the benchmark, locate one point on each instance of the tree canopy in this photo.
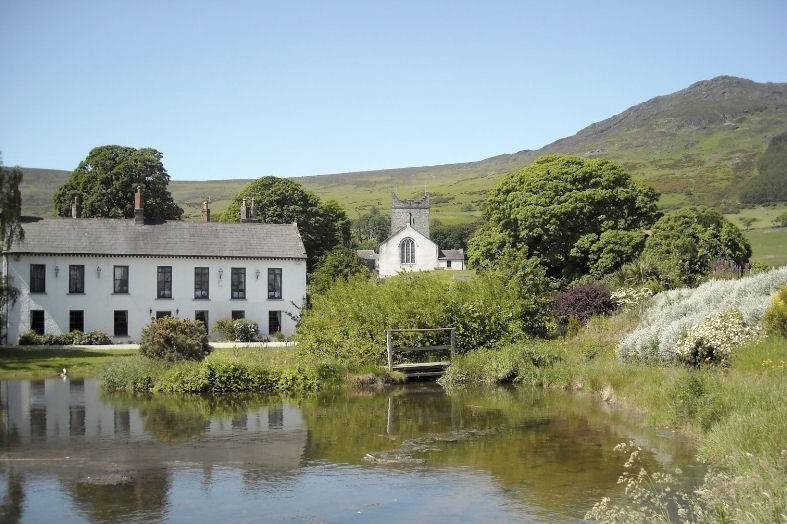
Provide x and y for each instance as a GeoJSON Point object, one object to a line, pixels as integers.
{"type": "Point", "coordinates": [452, 236]}
{"type": "Point", "coordinates": [686, 243]}
{"type": "Point", "coordinates": [574, 215]}
{"type": "Point", "coordinates": [339, 263]}
{"type": "Point", "coordinates": [371, 228]}
{"type": "Point", "coordinates": [770, 182]}
{"type": "Point", "coordinates": [10, 205]}
{"type": "Point", "coordinates": [107, 179]}
{"type": "Point", "coordinates": [323, 225]}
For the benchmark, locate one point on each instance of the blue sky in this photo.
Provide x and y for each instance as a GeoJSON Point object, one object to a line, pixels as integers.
{"type": "Point", "coordinates": [244, 89]}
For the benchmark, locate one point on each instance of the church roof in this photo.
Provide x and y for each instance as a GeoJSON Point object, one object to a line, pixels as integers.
{"type": "Point", "coordinates": [118, 237]}
{"type": "Point", "coordinates": [366, 254]}
{"type": "Point", "coordinates": [452, 254]}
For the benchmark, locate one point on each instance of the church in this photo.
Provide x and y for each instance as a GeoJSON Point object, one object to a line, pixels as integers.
{"type": "Point", "coordinates": [409, 247]}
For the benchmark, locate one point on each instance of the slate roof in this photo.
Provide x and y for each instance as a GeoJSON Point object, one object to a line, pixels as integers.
{"type": "Point", "coordinates": [366, 254]}
{"type": "Point", "coordinates": [452, 254]}
{"type": "Point", "coordinates": [101, 236]}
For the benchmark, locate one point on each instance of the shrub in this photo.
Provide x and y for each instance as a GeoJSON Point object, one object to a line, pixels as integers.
{"type": "Point", "coordinates": [95, 337]}
{"type": "Point", "coordinates": [631, 296]}
{"type": "Point", "coordinates": [131, 375]}
{"type": "Point", "coordinates": [348, 322]}
{"type": "Point", "coordinates": [775, 319]}
{"type": "Point", "coordinates": [672, 313]}
{"type": "Point", "coordinates": [584, 302]}
{"type": "Point", "coordinates": [174, 339]}
{"type": "Point", "coordinates": [687, 242]}
{"type": "Point", "coordinates": [239, 330]}
{"type": "Point", "coordinates": [712, 340]}
{"type": "Point", "coordinates": [92, 338]}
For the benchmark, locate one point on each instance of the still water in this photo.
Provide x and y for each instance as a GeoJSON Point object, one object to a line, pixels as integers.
{"type": "Point", "coordinates": [70, 453]}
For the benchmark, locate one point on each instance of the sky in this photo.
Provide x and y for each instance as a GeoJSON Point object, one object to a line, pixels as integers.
{"type": "Point", "coordinates": [239, 89]}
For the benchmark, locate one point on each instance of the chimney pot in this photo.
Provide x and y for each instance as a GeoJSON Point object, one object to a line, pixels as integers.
{"type": "Point", "coordinates": [76, 207]}
{"type": "Point", "coordinates": [139, 211]}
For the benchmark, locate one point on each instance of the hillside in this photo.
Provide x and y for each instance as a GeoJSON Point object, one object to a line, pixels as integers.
{"type": "Point", "coordinates": [697, 145]}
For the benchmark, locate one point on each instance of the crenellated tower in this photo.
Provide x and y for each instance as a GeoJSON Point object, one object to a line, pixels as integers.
{"type": "Point", "coordinates": [413, 212]}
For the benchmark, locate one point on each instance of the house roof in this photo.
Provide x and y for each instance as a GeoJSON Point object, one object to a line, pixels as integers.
{"type": "Point", "coordinates": [102, 236]}
{"type": "Point", "coordinates": [366, 254]}
{"type": "Point", "coordinates": [452, 254]}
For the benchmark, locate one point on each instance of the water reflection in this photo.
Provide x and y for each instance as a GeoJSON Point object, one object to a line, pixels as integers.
{"type": "Point", "coordinates": [489, 455]}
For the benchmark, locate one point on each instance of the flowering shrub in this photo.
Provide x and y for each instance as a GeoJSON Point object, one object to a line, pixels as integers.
{"type": "Point", "coordinates": [712, 340]}
{"type": "Point", "coordinates": [673, 313]}
{"type": "Point", "coordinates": [775, 319]}
{"type": "Point", "coordinates": [631, 296]}
{"type": "Point", "coordinates": [240, 330]}
{"type": "Point", "coordinates": [583, 302]}
{"type": "Point", "coordinates": [91, 338]}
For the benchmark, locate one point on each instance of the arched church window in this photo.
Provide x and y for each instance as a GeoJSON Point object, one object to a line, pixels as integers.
{"type": "Point", "coordinates": [407, 248]}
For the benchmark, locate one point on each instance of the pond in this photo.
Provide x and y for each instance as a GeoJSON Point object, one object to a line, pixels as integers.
{"type": "Point", "coordinates": [70, 453]}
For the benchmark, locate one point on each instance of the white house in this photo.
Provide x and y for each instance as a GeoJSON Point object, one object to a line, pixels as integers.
{"type": "Point", "coordinates": [115, 275]}
{"type": "Point", "coordinates": [409, 248]}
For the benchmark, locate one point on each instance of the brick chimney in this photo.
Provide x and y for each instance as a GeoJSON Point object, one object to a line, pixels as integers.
{"type": "Point", "coordinates": [76, 207]}
{"type": "Point", "coordinates": [205, 211]}
{"type": "Point", "coordinates": [139, 211]}
{"type": "Point", "coordinates": [253, 211]}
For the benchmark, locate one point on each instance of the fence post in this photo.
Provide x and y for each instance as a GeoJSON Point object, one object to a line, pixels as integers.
{"type": "Point", "coordinates": [389, 347]}
{"type": "Point", "coordinates": [453, 341]}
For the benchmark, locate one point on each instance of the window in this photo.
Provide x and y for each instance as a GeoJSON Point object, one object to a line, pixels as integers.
{"type": "Point", "coordinates": [76, 320]}
{"type": "Point", "coordinates": [202, 316]}
{"type": "Point", "coordinates": [274, 322]}
{"type": "Point", "coordinates": [37, 321]}
{"type": "Point", "coordinates": [238, 282]}
{"type": "Point", "coordinates": [37, 278]}
{"type": "Point", "coordinates": [407, 248]}
{"type": "Point", "coordinates": [121, 323]}
{"type": "Point", "coordinates": [448, 264]}
{"type": "Point", "coordinates": [120, 279]}
{"type": "Point", "coordinates": [164, 281]}
{"type": "Point", "coordinates": [238, 314]}
{"type": "Point", "coordinates": [201, 283]}
{"type": "Point", "coordinates": [162, 314]}
{"type": "Point", "coordinates": [274, 282]}
{"type": "Point", "coordinates": [76, 279]}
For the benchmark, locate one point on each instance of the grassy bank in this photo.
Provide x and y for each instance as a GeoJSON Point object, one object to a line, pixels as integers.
{"type": "Point", "coordinates": [238, 370]}
{"type": "Point", "coordinates": [18, 362]}
{"type": "Point", "coordinates": [737, 414]}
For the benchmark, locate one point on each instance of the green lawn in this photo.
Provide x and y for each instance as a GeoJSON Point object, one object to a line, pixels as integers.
{"type": "Point", "coordinates": [41, 363]}
{"type": "Point", "coordinates": [769, 245]}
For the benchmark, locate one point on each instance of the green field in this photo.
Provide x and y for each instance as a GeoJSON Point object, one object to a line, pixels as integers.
{"type": "Point", "coordinates": [769, 245]}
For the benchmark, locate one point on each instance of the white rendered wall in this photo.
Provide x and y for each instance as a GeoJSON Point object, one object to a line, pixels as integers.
{"type": "Point", "coordinates": [456, 265]}
{"type": "Point", "coordinates": [389, 261]}
{"type": "Point", "coordinates": [99, 302]}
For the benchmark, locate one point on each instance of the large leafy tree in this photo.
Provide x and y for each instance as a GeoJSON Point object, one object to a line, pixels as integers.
{"type": "Point", "coordinates": [340, 263]}
{"type": "Point", "coordinates": [10, 230]}
{"type": "Point", "coordinates": [452, 236]}
{"type": "Point", "coordinates": [107, 179]}
{"type": "Point", "coordinates": [574, 215]}
{"type": "Point", "coordinates": [323, 225]}
{"type": "Point", "coordinates": [686, 243]}
{"type": "Point", "coordinates": [371, 228]}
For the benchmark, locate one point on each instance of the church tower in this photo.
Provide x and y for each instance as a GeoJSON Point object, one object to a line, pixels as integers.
{"type": "Point", "coordinates": [412, 212]}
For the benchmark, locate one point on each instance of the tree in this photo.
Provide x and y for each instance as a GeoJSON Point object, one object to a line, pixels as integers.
{"type": "Point", "coordinates": [10, 205]}
{"type": "Point", "coordinates": [573, 215]}
{"type": "Point", "coordinates": [452, 236]}
{"type": "Point", "coordinates": [323, 225]}
{"type": "Point", "coordinates": [339, 263]}
{"type": "Point", "coordinates": [108, 178]}
{"type": "Point", "coordinates": [10, 230]}
{"type": "Point", "coordinates": [770, 182]}
{"type": "Point", "coordinates": [688, 241]}
{"type": "Point", "coordinates": [370, 229]}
